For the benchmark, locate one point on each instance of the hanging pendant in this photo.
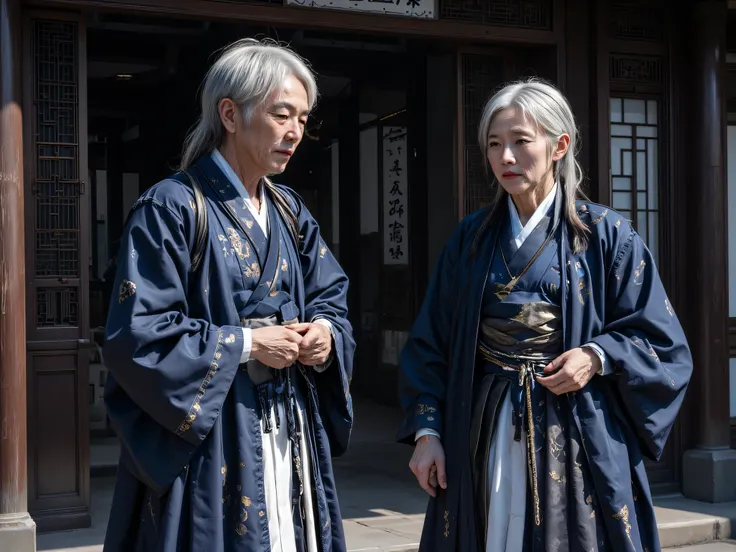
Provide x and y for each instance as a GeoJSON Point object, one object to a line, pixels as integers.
{"type": "Point", "coordinates": [501, 294]}
{"type": "Point", "coordinates": [502, 291]}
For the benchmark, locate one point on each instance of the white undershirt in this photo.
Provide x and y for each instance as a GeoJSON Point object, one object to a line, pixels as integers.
{"type": "Point", "coordinates": [522, 232]}
{"type": "Point", "coordinates": [260, 216]}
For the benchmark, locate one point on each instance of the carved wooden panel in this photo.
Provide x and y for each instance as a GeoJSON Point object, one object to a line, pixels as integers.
{"type": "Point", "coordinates": [529, 14]}
{"type": "Point", "coordinates": [481, 75]}
{"type": "Point", "coordinates": [637, 20]}
{"type": "Point", "coordinates": [635, 70]}
{"type": "Point", "coordinates": [57, 307]}
{"type": "Point", "coordinates": [58, 471]}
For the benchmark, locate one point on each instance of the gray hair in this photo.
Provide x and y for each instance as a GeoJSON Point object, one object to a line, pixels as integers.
{"type": "Point", "coordinates": [247, 72]}
{"type": "Point", "coordinates": [544, 105]}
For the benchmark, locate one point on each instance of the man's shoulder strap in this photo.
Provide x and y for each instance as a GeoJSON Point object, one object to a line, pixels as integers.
{"type": "Point", "coordinates": [200, 221]}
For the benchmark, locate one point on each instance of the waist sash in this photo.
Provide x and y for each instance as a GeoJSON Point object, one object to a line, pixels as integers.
{"type": "Point", "coordinates": [510, 366]}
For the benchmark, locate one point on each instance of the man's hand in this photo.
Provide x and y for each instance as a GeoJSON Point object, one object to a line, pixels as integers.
{"type": "Point", "coordinates": [316, 343]}
{"type": "Point", "coordinates": [275, 346]}
{"type": "Point", "coordinates": [571, 371]}
{"type": "Point", "coordinates": [428, 464]}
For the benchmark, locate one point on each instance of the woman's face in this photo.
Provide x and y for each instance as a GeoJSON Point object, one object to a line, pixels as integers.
{"type": "Point", "coordinates": [519, 153]}
{"type": "Point", "coordinates": [265, 145]}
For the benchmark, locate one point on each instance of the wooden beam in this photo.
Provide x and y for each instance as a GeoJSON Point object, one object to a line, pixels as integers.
{"type": "Point", "coordinates": [313, 18]}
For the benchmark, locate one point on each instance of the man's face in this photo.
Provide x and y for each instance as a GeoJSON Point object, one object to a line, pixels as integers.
{"type": "Point", "coordinates": [269, 140]}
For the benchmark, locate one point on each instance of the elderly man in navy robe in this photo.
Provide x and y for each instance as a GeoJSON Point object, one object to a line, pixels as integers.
{"type": "Point", "coordinates": [228, 344]}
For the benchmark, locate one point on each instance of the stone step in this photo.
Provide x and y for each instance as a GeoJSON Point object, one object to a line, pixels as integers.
{"type": "Point", "coordinates": [685, 522]}
{"type": "Point", "coordinates": [722, 546]}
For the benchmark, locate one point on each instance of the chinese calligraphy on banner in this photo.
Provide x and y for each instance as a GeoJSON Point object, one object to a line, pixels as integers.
{"type": "Point", "coordinates": [395, 197]}
{"type": "Point", "coordinates": [424, 9]}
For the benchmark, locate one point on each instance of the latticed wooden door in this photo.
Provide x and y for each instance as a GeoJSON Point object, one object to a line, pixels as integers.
{"type": "Point", "coordinates": [57, 266]}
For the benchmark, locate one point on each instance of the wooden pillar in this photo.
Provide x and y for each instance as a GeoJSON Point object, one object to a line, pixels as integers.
{"type": "Point", "coordinates": [577, 82]}
{"type": "Point", "coordinates": [710, 469]}
{"type": "Point", "coordinates": [349, 199]}
{"type": "Point", "coordinates": [17, 530]}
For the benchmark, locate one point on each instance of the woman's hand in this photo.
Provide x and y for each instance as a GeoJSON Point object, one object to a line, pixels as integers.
{"type": "Point", "coordinates": [275, 346]}
{"type": "Point", "coordinates": [571, 371]}
{"type": "Point", "coordinates": [428, 464]}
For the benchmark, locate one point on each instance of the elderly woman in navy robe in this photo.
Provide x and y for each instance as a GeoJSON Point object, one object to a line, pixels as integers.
{"type": "Point", "coordinates": [547, 360]}
{"type": "Point", "coordinates": [230, 359]}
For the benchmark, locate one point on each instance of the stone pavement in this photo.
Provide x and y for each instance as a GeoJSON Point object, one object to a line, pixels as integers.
{"type": "Point", "coordinates": [383, 508]}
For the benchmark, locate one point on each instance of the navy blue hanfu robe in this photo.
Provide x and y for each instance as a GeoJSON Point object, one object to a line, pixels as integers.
{"type": "Point", "coordinates": [190, 476]}
{"type": "Point", "coordinates": [612, 297]}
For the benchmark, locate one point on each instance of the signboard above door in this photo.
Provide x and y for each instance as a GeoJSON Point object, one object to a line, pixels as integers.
{"type": "Point", "coordinates": [423, 9]}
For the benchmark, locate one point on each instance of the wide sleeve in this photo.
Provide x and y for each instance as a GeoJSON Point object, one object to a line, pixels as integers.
{"type": "Point", "coordinates": [425, 357]}
{"type": "Point", "coordinates": [646, 345]}
{"type": "Point", "coordinates": [325, 297]}
{"type": "Point", "coordinates": [171, 371]}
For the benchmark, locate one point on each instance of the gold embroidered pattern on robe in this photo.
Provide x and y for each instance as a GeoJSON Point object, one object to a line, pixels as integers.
{"type": "Point", "coordinates": [639, 273]}
{"type": "Point", "coordinates": [623, 516]}
{"type": "Point", "coordinates": [127, 289]}
{"type": "Point", "coordinates": [242, 249]}
{"type": "Point", "coordinates": [186, 425]}
{"type": "Point", "coordinates": [424, 409]}
{"type": "Point", "coordinates": [245, 503]}
{"type": "Point", "coordinates": [252, 271]}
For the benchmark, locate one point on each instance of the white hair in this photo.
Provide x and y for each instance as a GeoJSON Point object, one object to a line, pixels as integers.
{"type": "Point", "coordinates": [545, 106]}
{"type": "Point", "coordinates": [248, 71]}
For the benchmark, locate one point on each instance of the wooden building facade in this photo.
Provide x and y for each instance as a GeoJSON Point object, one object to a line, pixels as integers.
{"type": "Point", "coordinates": [648, 84]}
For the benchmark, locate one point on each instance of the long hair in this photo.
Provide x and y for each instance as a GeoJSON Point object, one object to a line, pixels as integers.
{"type": "Point", "coordinates": [544, 105]}
{"type": "Point", "coordinates": [247, 71]}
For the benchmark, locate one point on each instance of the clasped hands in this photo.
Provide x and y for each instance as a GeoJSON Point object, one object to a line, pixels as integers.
{"type": "Point", "coordinates": [281, 346]}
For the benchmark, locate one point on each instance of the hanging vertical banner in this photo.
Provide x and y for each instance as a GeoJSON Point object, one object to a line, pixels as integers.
{"type": "Point", "coordinates": [395, 197]}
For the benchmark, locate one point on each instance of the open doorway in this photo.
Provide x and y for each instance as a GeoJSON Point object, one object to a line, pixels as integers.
{"type": "Point", "coordinates": [143, 77]}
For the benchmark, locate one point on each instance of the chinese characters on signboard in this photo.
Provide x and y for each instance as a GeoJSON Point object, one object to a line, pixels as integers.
{"type": "Point", "coordinates": [424, 9]}
{"type": "Point", "coordinates": [395, 197]}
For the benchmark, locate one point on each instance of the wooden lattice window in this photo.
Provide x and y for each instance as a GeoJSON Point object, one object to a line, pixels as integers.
{"type": "Point", "coordinates": [57, 186]}
{"type": "Point", "coordinates": [481, 76]}
{"type": "Point", "coordinates": [529, 14]}
{"type": "Point", "coordinates": [638, 20]}
{"type": "Point", "coordinates": [635, 135]}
